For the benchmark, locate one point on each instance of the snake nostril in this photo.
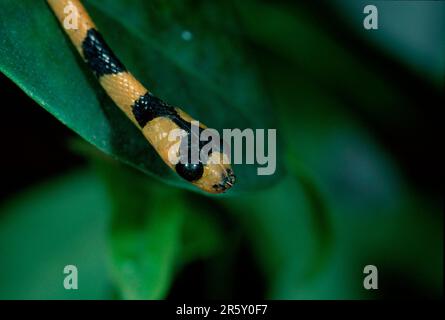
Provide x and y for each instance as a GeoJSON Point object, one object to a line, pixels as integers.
{"type": "Point", "coordinates": [229, 179]}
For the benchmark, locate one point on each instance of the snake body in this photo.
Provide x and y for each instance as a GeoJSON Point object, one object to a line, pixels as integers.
{"type": "Point", "coordinates": [154, 117]}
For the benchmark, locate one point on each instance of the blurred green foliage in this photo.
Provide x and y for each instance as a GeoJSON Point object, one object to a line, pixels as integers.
{"type": "Point", "coordinates": [58, 223]}
{"type": "Point", "coordinates": [339, 201]}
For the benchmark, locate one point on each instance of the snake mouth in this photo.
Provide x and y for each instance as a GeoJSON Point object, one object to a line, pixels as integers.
{"type": "Point", "coordinates": [227, 182]}
{"type": "Point", "coordinates": [229, 179]}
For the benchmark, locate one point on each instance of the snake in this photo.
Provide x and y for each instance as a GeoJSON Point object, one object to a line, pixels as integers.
{"type": "Point", "coordinates": [154, 117]}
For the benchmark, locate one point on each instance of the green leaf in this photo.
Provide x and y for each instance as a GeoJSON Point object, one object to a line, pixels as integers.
{"type": "Point", "coordinates": [208, 73]}
{"type": "Point", "coordinates": [59, 223]}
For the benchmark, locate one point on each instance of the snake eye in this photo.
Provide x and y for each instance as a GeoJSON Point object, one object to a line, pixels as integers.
{"type": "Point", "coordinates": [190, 171]}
